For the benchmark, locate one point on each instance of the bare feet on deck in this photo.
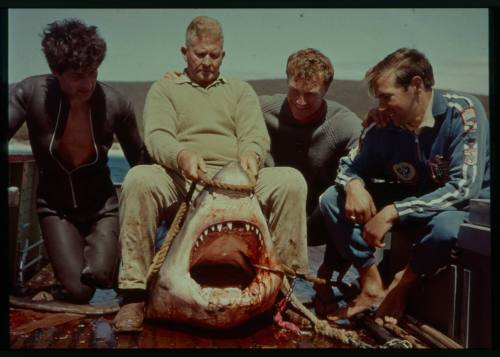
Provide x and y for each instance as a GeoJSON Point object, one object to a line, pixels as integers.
{"type": "Point", "coordinates": [372, 294]}
{"type": "Point", "coordinates": [393, 307]}
{"type": "Point", "coordinates": [363, 302]}
{"type": "Point", "coordinates": [129, 318]}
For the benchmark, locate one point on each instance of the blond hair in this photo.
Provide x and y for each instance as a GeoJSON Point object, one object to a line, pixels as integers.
{"type": "Point", "coordinates": [310, 64]}
{"type": "Point", "coordinates": [204, 26]}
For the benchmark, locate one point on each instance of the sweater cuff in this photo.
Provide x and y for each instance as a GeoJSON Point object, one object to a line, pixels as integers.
{"type": "Point", "coordinates": [256, 149]}
{"type": "Point", "coordinates": [166, 155]}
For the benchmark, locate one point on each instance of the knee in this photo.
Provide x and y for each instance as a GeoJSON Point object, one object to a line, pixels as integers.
{"type": "Point", "coordinates": [445, 229]}
{"type": "Point", "coordinates": [292, 183]}
{"type": "Point", "coordinates": [101, 264]}
{"type": "Point", "coordinates": [441, 236]}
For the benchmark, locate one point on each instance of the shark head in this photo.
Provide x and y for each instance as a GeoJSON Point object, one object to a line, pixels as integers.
{"type": "Point", "coordinates": [209, 277]}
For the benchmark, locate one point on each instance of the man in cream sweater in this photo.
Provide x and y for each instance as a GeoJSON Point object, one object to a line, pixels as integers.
{"type": "Point", "coordinates": [201, 121]}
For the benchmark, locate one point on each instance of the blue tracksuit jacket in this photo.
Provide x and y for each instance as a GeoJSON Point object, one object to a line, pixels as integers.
{"type": "Point", "coordinates": [443, 167]}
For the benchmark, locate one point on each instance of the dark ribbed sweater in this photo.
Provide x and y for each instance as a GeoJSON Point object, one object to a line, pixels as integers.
{"type": "Point", "coordinates": [315, 148]}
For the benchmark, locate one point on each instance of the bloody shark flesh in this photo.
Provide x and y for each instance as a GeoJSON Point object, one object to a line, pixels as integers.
{"type": "Point", "coordinates": [211, 275]}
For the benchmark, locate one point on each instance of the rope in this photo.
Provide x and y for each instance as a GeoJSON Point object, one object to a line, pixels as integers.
{"type": "Point", "coordinates": [160, 256]}
{"type": "Point", "coordinates": [227, 186]}
{"type": "Point", "coordinates": [397, 343]}
{"type": "Point", "coordinates": [322, 326]}
{"type": "Point", "coordinates": [402, 334]}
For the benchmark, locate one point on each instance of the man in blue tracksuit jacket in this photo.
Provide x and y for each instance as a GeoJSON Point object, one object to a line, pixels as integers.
{"type": "Point", "coordinates": [419, 166]}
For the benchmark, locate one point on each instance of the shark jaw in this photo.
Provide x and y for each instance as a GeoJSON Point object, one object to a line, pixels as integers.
{"type": "Point", "coordinates": [209, 276]}
{"type": "Point", "coordinates": [222, 264]}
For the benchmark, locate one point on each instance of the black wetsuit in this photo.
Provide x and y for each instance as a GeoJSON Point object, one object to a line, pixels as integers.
{"type": "Point", "coordinates": [77, 206]}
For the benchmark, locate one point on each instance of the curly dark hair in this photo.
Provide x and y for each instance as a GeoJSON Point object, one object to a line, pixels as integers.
{"type": "Point", "coordinates": [70, 44]}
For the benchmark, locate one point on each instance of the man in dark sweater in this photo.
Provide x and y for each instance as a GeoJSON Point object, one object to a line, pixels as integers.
{"type": "Point", "coordinates": [311, 134]}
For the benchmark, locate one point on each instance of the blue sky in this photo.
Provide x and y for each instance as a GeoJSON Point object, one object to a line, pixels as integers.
{"type": "Point", "coordinates": [145, 43]}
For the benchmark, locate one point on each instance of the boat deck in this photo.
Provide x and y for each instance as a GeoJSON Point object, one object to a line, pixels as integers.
{"type": "Point", "coordinates": [90, 332]}
{"type": "Point", "coordinates": [30, 329]}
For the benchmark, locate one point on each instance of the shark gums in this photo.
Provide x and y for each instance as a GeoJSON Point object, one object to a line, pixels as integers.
{"type": "Point", "coordinates": [209, 276]}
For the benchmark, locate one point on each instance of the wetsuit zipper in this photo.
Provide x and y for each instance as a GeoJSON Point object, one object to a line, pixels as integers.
{"type": "Point", "coordinates": [69, 173]}
{"type": "Point", "coordinates": [419, 152]}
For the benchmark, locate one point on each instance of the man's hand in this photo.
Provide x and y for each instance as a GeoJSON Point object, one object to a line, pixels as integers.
{"type": "Point", "coordinates": [379, 225]}
{"type": "Point", "coordinates": [190, 163]}
{"type": "Point", "coordinates": [359, 206]}
{"type": "Point", "coordinates": [380, 117]}
{"type": "Point", "coordinates": [172, 75]}
{"type": "Point", "coordinates": [249, 160]}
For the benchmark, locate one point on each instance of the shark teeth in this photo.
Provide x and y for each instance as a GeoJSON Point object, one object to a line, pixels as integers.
{"type": "Point", "coordinates": [231, 226]}
{"type": "Point", "coordinates": [261, 242]}
{"type": "Point", "coordinates": [222, 298]}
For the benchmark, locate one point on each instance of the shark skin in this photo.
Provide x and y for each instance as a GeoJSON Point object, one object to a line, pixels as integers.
{"type": "Point", "coordinates": [208, 278]}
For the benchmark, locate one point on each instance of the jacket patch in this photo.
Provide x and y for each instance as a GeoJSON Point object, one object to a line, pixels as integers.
{"type": "Point", "coordinates": [470, 153]}
{"type": "Point", "coordinates": [405, 172]}
{"type": "Point", "coordinates": [469, 119]}
{"type": "Point", "coordinates": [439, 169]}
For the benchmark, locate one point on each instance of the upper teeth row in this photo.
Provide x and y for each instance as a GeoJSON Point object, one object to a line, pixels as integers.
{"type": "Point", "coordinates": [229, 226]}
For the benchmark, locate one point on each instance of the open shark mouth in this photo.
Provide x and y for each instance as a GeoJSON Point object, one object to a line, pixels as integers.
{"type": "Point", "coordinates": [221, 268]}
{"type": "Point", "coordinates": [223, 260]}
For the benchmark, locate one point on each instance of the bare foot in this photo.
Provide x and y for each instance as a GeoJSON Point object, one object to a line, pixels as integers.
{"type": "Point", "coordinates": [393, 307]}
{"type": "Point", "coordinates": [372, 294]}
{"type": "Point", "coordinates": [363, 302]}
{"type": "Point", "coordinates": [129, 318]}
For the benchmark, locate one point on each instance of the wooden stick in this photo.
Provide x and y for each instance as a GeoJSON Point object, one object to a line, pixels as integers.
{"type": "Point", "coordinates": [441, 337]}
{"type": "Point", "coordinates": [275, 271]}
{"type": "Point", "coordinates": [290, 272]}
{"type": "Point", "coordinates": [425, 336]}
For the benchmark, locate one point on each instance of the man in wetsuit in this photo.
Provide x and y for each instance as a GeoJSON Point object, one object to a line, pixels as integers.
{"type": "Point", "coordinates": [71, 120]}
